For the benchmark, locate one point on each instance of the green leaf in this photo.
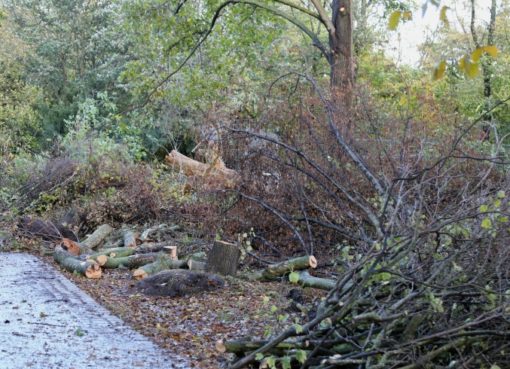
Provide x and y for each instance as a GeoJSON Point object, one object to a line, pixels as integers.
{"type": "Point", "coordinates": [440, 70]}
{"type": "Point", "coordinates": [486, 223]}
{"type": "Point", "coordinates": [259, 357]}
{"type": "Point", "coordinates": [495, 366]}
{"type": "Point", "coordinates": [501, 194]}
{"type": "Point", "coordinates": [298, 328]}
{"type": "Point", "coordinates": [301, 356]}
{"type": "Point", "coordinates": [483, 208]}
{"type": "Point", "coordinates": [294, 277]}
{"type": "Point", "coordinates": [285, 361]}
{"type": "Point", "coordinates": [274, 309]}
{"type": "Point", "coordinates": [394, 20]}
{"type": "Point", "coordinates": [503, 219]}
{"type": "Point", "coordinates": [271, 362]}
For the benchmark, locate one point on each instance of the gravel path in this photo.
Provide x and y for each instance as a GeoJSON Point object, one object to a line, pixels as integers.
{"type": "Point", "coordinates": [46, 322]}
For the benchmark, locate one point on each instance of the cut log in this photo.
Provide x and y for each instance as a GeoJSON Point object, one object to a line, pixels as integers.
{"type": "Point", "coordinates": [162, 263]}
{"type": "Point", "coordinates": [129, 238]}
{"type": "Point", "coordinates": [89, 269]}
{"type": "Point", "coordinates": [133, 261]}
{"type": "Point", "coordinates": [197, 256]}
{"type": "Point", "coordinates": [172, 251]}
{"type": "Point", "coordinates": [274, 271]}
{"type": "Point", "coordinates": [97, 237]}
{"type": "Point", "coordinates": [116, 252]}
{"type": "Point", "coordinates": [146, 235]}
{"type": "Point", "coordinates": [307, 280]}
{"type": "Point", "coordinates": [151, 247]}
{"type": "Point", "coordinates": [223, 258]}
{"type": "Point", "coordinates": [216, 173]}
{"type": "Point", "coordinates": [196, 265]}
{"type": "Point", "coordinates": [179, 283]}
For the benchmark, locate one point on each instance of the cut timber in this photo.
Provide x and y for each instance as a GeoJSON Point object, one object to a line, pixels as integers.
{"type": "Point", "coordinates": [239, 347]}
{"type": "Point", "coordinates": [70, 263]}
{"type": "Point", "coordinates": [116, 252]}
{"type": "Point", "coordinates": [179, 283]}
{"type": "Point", "coordinates": [129, 238]}
{"type": "Point", "coordinates": [133, 261]}
{"type": "Point", "coordinates": [196, 265]}
{"type": "Point", "coordinates": [215, 173]}
{"type": "Point", "coordinates": [146, 235]}
{"type": "Point", "coordinates": [151, 247]}
{"type": "Point", "coordinates": [95, 239]}
{"type": "Point", "coordinates": [306, 280]}
{"type": "Point", "coordinates": [72, 247]}
{"type": "Point", "coordinates": [197, 256]}
{"type": "Point", "coordinates": [172, 251]}
{"type": "Point", "coordinates": [277, 270]}
{"type": "Point", "coordinates": [223, 258]}
{"type": "Point", "coordinates": [162, 263]}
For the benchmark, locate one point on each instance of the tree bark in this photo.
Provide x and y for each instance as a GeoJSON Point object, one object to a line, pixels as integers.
{"type": "Point", "coordinates": [97, 237]}
{"type": "Point", "coordinates": [274, 271]}
{"type": "Point", "coordinates": [223, 258]}
{"type": "Point", "coordinates": [129, 238]}
{"type": "Point", "coordinates": [341, 56]}
{"type": "Point", "coordinates": [196, 265]}
{"type": "Point", "coordinates": [72, 264]}
{"type": "Point", "coordinates": [216, 174]}
{"type": "Point", "coordinates": [162, 263]}
{"type": "Point", "coordinates": [132, 261]}
{"type": "Point", "coordinates": [114, 252]}
{"type": "Point", "coordinates": [306, 280]}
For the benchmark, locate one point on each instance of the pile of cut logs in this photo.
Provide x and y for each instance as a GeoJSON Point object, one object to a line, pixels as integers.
{"type": "Point", "coordinates": [147, 258]}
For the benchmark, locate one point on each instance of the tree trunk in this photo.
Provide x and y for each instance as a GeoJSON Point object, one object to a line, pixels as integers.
{"type": "Point", "coordinates": [341, 57]}
{"type": "Point", "coordinates": [162, 263]}
{"type": "Point", "coordinates": [223, 258]}
{"type": "Point", "coordinates": [70, 263]}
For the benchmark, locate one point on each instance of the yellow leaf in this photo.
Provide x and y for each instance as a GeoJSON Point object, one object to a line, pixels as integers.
{"type": "Point", "coordinates": [477, 54]}
{"type": "Point", "coordinates": [394, 20]}
{"type": "Point", "coordinates": [443, 17]}
{"type": "Point", "coordinates": [491, 50]}
{"type": "Point", "coordinates": [462, 63]}
{"type": "Point", "coordinates": [439, 71]}
{"type": "Point", "coordinates": [407, 15]}
{"type": "Point", "coordinates": [472, 69]}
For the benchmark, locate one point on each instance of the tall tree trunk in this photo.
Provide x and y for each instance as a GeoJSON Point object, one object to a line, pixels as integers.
{"type": "Point", "coordinates": [341, 58]}
{"type": "Point", "coordinates": [486, 64]}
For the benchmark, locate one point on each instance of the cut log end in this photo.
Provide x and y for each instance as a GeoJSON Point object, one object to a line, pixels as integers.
{"type": "Point", "coordinates": [172, 251]}
{"type": "Point", "coordinates": [102, 259]}
{"type": "Point", "coordinates": [139, 274]}
{"type": "Point", "coordinates": [220, 346]}
{"type": "Point", "coordinates": [93, 272]}
{"type": "Point", "coordinates": [70, 246]}
{"type": "Point", "coordinates": [312, 262]}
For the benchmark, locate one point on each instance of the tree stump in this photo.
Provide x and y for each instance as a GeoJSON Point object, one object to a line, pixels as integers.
{"type": "Point", "coordinates": [223, 258]}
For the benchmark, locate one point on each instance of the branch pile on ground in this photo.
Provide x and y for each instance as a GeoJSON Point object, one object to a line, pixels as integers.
{"type": "Point", "coordinates": [383, 313]}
